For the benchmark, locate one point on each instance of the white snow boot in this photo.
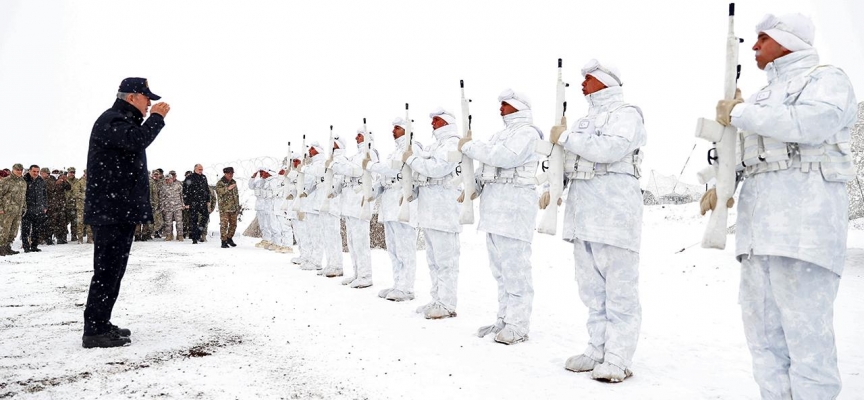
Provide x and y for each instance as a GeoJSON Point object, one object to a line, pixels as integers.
{"type": "Point", "coordinates": [272, 247]}
{"type": "Point", "coordinates": [297, 260]}
{"type": "Point", "coordinates": [348, 280]}
{"type": "Point", "coordinates": [332, 272]}
{"type": "Point", "coordinates": [608, 372]}
{"type": "Point", "coordinates": [438, 311]}
{"type": "Point", "coordinates": [284, 250]}
{"type": "Point", "coordinates": [383, 293]}
{"type": "Point", "coordinates": [308, 266]}
{"type": "Point", "coordinates": [262, 243]}
{"type": "Point", "coordinates": [398, 295]}
{"type": "Point", "coordinates": [485, 330]}
{"type": "Point", "coordinates": [581, 363]}
{"type": "Point", "coordinates": [510, 335]}
{"type": "Point", "coordinates": [361, 283]}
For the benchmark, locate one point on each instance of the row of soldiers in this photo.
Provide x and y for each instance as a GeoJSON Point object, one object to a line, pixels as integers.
{"type": "Point", "coordinates": [179, 206]}
{"type": "Point", "coordinates": [791, 226]}
{"type": "Point", "coordinates": [46, 204]}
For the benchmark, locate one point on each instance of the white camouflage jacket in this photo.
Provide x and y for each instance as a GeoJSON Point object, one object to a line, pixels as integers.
{"type": "Point", "coordinates": [606, 208]}
{"type": "Point", "coordinates": [436, 206]}
{"type": "Point", "coordinates": [508, 209]}
{"type": "Point", "coordinates": [791, 213]}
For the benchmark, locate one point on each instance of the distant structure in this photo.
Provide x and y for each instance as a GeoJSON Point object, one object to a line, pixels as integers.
{"type": "Point", "coordinates": [855, 188]}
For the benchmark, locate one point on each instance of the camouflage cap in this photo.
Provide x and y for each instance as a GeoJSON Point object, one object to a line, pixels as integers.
{"type": "Point", "coordinates": [71, 169]}
{"type": "Point", "coordinates": [18, 166]}
{"type": "Point", "coordinates": [45, 170]}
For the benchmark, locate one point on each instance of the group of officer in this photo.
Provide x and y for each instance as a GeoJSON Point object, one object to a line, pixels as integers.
{"type": "Point", "coordinates": [791, 226]}
{"type": "Point", "coordinates": [46, 204]}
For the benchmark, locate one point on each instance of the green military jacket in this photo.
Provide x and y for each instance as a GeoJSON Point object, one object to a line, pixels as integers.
{"type": "Point", "coordinates": [13, 192]}
{"type": "Point", "coordinates": [70, 200]}
{"type": "Point", "coordinates": [229, 200]}
{"type": "Point", "coordinates": [154, 194]}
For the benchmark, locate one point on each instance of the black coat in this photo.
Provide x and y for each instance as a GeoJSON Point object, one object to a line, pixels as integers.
{"type": "Point", "coordinates": [37, 195]}
{"type": "Point", "coordinates": [118, 184]}
{"type": "Point", "coordinates": [196, 191]}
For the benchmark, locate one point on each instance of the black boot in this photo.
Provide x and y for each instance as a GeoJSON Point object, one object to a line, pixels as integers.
{"type": "Point", "coordinates": [120, 331]}
{"type": "Point", "coordinates": [225, 244]}
{"type": "Point", "coordinates": [62, 240]}
{"type": "Point", "coordinates": [35, 248]}
{"type": "Point", "coordinates": [231, 242]}
{"type": "Point", "coordinates": [107, 339]}
{"type": "Point", "coordinates": [10, 252]}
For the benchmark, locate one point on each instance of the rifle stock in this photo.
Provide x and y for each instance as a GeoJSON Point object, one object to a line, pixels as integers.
{"type": "Point", "coordinates": [715, 231]}
{"type": "Point", "coordinates": [301, 178]}
{"type": "Point", "coordinates": [328, 177]}
{"type": "Point", "coordinates": [555, 174]}
{"type": "Point", "coordinates": [366, 180]}
{"type": "Point", "coordinates": [407, 174]}
{"type": "Point", "coordinates": [466, 213]}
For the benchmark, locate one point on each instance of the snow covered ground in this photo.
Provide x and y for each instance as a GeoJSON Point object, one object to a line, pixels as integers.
{"type": "Point", "coordinates": [244, 323]}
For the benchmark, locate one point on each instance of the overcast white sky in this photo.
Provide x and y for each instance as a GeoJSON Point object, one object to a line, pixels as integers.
{"type": "Point", "coordinates": [243, 78]}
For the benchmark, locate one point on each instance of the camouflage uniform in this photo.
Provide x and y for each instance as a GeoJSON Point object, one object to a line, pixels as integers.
{"type": "Point", "coordinates": [13, 190]}
{"type": "Point", "coordinates": [71, 205]}
{"type": "Point", "coordinates": [155, 184]}
{"type": "Point", "coordinates": [77, 193]}
{"type": "Point", "coordinates": [229, 205]}
{"type": "Point", "coordinates": [145, 231]}
{"type": "Point", "coordinates": [56, 210]}
{"type": "Point", "coordinates": [172, 208]}
{"type": "Point", "coordinates": [211, 206]}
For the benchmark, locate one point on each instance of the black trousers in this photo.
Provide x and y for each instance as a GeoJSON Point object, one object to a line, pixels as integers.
{"type": "Point", "coordinates": [32, 226]}
{"type": "Point", "coordinates": [198, 217]}
{"type": "Point", "coordinates": [112, 244]}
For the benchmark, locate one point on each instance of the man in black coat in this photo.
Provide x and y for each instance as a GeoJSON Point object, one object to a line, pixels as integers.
{"type": "Point", "coordinates": [34, 218]}
{"type": "Point", "coordinates": [196, 197]}
{"type": "Point", "coordinates": [117, 198]}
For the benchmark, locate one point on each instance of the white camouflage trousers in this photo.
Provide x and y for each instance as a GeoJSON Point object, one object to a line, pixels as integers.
{"type": "Point", "coordinates": [401, 241]}
{"type": "Point", "coordinates": [299, 228]}
{"type": "Point", "coordinates": [608, 279]}
{"type": "Point", "coordinates": [325, 240]}
{"type": "Point", "coordinates": [442, 256]}
{"type": "Point", "coordinates": [283, 234]}
{"type": "Point", "coordinates": [510, 261]}
{"type": "Point", "coordinates": [265, 223]}
{"type": "Point", "coordinates": [357, 232]}
{"type": "Point", "coordinates": [788, 311]}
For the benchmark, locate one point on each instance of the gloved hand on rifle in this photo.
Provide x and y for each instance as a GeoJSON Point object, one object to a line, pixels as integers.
{"type": "Point", "coordinates": [709, 201]}
{"type": "Point", "coordinates": [545, 199]}
{"type": "Point", "coordinates": [406, 154]}
{"type": "Point", "coordinates": [462, 196]}
{"type": "Point", "coordinates": [557, 130]}
{"type": "Point", "coordinates": [724, 108]}
{"type": "Point", "coordinates": [462, 142]}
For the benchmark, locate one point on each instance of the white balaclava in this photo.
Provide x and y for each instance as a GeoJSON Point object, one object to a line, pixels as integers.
{"type": "Point", "coordinates": [317, 146]}
{"type": "Point", "coordinates": [339, 141]}
{"type": "Point", "coordinates": [608, 74]}
{"type": "Point", "coordinates": [519, 101]}
{"type": "Point", "coordinates": [400, 122]}
{"type": "Point", "coordinates": [447, 116]}
{"type": "Point", "coordinates": [795, 32]}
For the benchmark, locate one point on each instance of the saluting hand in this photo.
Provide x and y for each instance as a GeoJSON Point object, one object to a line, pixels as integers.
{"type": "Point", "coordinates": [161, 109]}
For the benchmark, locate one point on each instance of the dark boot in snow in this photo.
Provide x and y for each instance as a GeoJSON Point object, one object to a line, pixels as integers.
{"type": "Point", "coordinates": [225, 244]}
{"type": "Point", "coordinates": [107, 339]}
